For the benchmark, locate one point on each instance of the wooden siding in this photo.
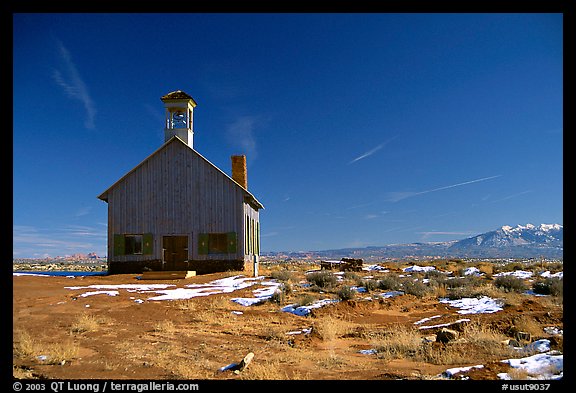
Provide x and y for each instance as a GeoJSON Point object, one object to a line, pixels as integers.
{"type": "Point", "coordinates": [176, 191]}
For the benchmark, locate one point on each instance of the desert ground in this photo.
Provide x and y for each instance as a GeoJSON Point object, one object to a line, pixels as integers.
{"type": "Point", "coordinates": [387, 322]}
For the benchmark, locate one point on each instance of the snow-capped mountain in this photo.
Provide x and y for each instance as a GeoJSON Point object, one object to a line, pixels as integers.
{"type": "Point", "coordinates": [522, 240]}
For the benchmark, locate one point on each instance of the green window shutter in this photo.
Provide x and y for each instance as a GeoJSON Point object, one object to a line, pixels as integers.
{"type": "Point", "coordinates": [232, 242]}
{"type": "Point", "coordinates": [118, 245]}
{"type": "Point", "coordinates": [203, 243]}
{"type": "Point", "coordinates": [147, 247]}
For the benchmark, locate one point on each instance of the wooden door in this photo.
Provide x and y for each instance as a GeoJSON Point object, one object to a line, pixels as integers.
{"type": "Point", "coordinates": [175, 252]}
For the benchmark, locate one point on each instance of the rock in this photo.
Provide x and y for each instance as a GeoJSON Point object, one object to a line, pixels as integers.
{"type": "Point", "coordinates": [446, 335]}
{"type": "Point", "coordinates": [237, 368]}
{"type": "Point", "coordinates": [245, 362]}
{"type": "Point", "coordinates": [523, 336]}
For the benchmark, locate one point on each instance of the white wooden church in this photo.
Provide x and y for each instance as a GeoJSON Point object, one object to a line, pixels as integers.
{"type": "Point", "coordinates": [176, 211]}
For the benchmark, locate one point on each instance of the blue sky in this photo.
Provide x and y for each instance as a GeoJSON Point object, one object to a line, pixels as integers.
{"type": "Point", "coordinates": [359, 129]}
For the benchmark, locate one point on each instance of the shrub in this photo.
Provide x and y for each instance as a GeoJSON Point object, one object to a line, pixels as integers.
{"type": "Point", "coordinates": [392, 283]}
{"type": "Point", "coordinates": [306, 300]}
{"type": "Point", "coordinates": [287, 288]}
{"type": "Point", "coordinates": [416, 288]}
{"type": "Point", "coordinates": [467, 286]}
{"type": "Point", "coordinates": [278, 297]}
{"type": "Point", "coordinates": [435, 275]}
{"type": "Point", "coordinates": [550, 286]}
{"type": "Point", "coordinates": [322, 279]}
{"type": "Point", "coordinates": [346, 293]}
{"type": "Point", "coordinates": [351, 276]}
{"type": "Point", "coordinates": [465, 281]}
{"type": "Point", "coordinates": [370, 285]}
{"type": "Point", "coordinates": [282, 275]}
{"type": "Point", "coordinates": [510, 283]}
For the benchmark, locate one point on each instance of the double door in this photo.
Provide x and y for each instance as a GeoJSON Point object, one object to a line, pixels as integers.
{"type": "Point", "coordinates": [175, 251]}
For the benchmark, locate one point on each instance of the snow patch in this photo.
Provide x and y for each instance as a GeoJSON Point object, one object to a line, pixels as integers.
{"type": "Point", "coordinates": [417, 268]}
{"type": "Point", "coordinates": [540, 366]}
{"type": "Point", "coordinates": [304, 311]}
{"type": "Point", "coordinates": [482, 305]}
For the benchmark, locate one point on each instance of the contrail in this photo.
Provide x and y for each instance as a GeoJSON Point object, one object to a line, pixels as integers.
{"type": "Point", "coordinates": [458, 185]}
{"type": "Point", "coordinates": [369, 153]}
{"type": "Point", "coordinates": [398, 196]}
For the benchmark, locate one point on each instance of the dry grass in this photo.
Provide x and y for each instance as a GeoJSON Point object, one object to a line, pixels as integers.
{"type": "Point", "coordinates": [397, 342]}
{"type": "Point", "coordinates": [88, 323]}
{"type": "Point", "coordinates": [526, 324]}
{"type": "Point", "coordinates": [185, 304]}
{"type": "Point", "coordinates": [196, 337]}
{"type": "Point", "coordinates": [476, 342]}
{"type": "Point", "coordinates": [330, 328]}
{"type": "Point", "coordinates": [182, 364]}
{"type": "Point", "coordinates": [165, 326]}
{"type": "Point", "coordinates": [518, 374]}
{"type": "Point", "coordinates": [265, 370]}
{"type": "Point", "coordinates": [21, 373]}
{"type": "Point", "coordinates": [331, 360]}
{"type": "Point", "coordinates": [25, 346]}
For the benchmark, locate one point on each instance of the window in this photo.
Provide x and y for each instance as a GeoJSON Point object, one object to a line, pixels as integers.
{"type": "Point", "coordinates": [217, 243]}
{"type": "Point", "coordinates": [247, 236]}
{"type": "Point", "coordinates": [251, 237]}
{"type": "Point", "coordinates": [132, 244]}
{"type": "Point", "coordinates": [257, 238]}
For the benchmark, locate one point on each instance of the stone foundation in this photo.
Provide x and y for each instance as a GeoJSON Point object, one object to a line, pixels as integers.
{"type": "Point", "coordinates": [200, 267]}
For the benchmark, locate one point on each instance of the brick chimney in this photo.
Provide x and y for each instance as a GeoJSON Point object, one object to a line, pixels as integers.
{"type": "Point", "coordinates": [239, 172]}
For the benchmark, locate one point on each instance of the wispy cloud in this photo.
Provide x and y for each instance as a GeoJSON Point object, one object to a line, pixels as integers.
{"type": "Point", "coordinates": [158, 118]}
{"type": "Point", "coordinates": [240, 134]}
{"type": "Point", "coordinates": [370, 152]}
{"type": "Point", "coordinates": [32, 242]}
{"type": "Point", "coordinates": [396, 196]}
{"type": "Point", "coordinates": [428, 234]}
{"type": "Point", "coordinates": [83, 211]}
{"type": "Point", "coordinates": [73, 85]}
{"type": "Point", "coordinates": [359, 206]}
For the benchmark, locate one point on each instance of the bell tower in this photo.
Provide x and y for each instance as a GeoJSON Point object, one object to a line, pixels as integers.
{"type": "Point", "coordinates": [179, 116]}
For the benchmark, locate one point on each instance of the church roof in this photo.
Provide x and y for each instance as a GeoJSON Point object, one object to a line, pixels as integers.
{"type": "Point", "coordinates": [251, 198]}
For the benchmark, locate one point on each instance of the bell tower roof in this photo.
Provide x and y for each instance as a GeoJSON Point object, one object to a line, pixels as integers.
{"type": "Point", "coordinates": [178, 95]}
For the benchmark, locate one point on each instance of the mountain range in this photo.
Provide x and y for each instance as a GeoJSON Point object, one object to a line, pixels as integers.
{"type": "Point", "coordinates": [521, 241]}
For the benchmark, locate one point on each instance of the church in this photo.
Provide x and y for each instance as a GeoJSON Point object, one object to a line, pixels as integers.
{"type": "Point", "coordinates": [176, 211]}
